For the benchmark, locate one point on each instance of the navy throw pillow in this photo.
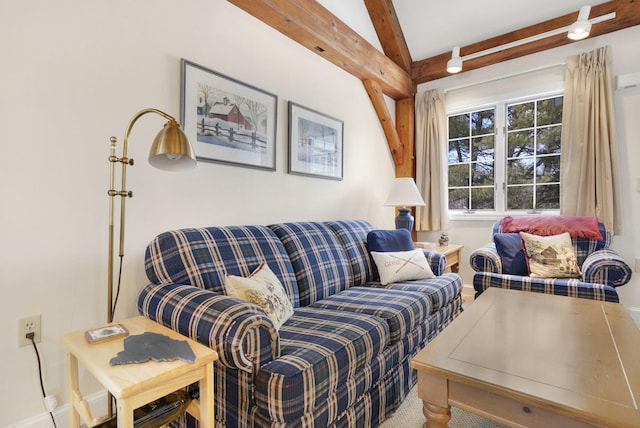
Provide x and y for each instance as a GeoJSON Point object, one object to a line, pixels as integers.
{"type": "Point", "coordinates": [385, 241]}
{"type": "Point", "coordinates": [511, 252]}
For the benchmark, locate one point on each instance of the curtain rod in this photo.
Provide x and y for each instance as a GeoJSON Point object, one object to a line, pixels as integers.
{"type": "Point", "coordinates": [506, 76]}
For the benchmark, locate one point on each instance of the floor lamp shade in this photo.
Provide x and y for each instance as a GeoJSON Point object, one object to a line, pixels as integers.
{"type": "Point", "coordinates": [404, 193]}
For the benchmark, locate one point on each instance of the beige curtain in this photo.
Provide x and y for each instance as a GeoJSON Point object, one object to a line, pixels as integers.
{"type": "Point", "coordinates": [589, 184]}
{"type": "Point", "coordinates": [431, 160]}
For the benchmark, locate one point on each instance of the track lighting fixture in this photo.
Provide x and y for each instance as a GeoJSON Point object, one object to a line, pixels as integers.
{"type": "Point", "coordinates": [577, 31]}
{"type": "Point", "coordinates": [580, 29]}
{"type": "Point", "coordinates": [454, 65]}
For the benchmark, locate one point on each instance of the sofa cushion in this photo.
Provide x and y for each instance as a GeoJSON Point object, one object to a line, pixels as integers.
{"type": "Point", "coordinates": [402, 310]}
{"type": "Point", "coordinates": [511, 252]}
{"type": "Point", "coordinates": [352, 234]}
{"type": "Point", "coordinates": [202, 257]}
{"type": "Point", "coordinates": [401, 266]}
{"type": "Point", "coordinates": [262, 288]}
{"type": "Point", "coordinates": [321, 351]}
{"type": "Point", "coordinates": [441, 290]}
{"type": "Point", "coordinates": [550, 256]}
{"type": "Point", "coordinates": [319, 261]}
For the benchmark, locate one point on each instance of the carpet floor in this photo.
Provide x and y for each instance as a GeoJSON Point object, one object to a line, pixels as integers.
{"type": "Point", "coordinates": [409, 415]}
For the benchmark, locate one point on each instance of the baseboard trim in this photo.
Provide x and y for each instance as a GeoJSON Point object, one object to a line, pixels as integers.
{"type": "Point", "coordinates": [97, 402]}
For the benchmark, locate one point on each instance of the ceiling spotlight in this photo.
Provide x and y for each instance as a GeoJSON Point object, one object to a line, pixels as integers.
{"type": "Point", "coordinates": [454, 65]}
{"type": "Point", "coordinates": [580, 29]}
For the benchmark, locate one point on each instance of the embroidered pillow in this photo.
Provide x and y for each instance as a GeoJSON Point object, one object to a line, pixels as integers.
{"type": "Point", "coordinates": [511, 252]}
{"type": "Point", "coordinates": [550, 256]}
{"type": "Point", "coordinates": [402, 266]}
{"type": "Point", "coordinates": [262, 288]}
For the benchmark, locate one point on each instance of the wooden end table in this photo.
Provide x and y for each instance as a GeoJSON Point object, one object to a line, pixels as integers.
{"type": "Point", "coordinates": [451, 251]}
{"type": "Point", "coordinates": [134, 385]}
{"type": "Point", "coordinates": [535, 360]}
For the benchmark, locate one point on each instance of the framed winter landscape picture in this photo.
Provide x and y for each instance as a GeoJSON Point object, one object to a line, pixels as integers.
{"type": "Point", "coordinates": [227, 120]}
{"type": "Point", "coordinates": [315, 143]}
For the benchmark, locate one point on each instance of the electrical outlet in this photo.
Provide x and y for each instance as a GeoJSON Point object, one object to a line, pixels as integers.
{"type": "Point", "coordinates": [29, 325]}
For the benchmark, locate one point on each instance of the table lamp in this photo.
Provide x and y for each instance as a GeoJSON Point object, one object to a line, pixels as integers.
{"type": "Point", "coordinates": [404, 193]}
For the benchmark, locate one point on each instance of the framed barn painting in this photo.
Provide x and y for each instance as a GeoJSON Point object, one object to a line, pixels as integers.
{"type": "Point", "coordinates": [226, 120]}
{"type": "Point", "coordinates": [315, 143]}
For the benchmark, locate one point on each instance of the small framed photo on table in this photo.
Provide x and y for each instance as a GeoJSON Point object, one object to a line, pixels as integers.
{"type": "Point", "coordinates": [109, 332]}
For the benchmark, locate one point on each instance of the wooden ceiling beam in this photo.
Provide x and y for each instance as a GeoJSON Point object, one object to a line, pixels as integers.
{"type": "Point", "coordinates": [387, 26]}
{"type": "Point", "coordinates": [314, 27]}
{"type": "Point", "coordinates": [627, 15]}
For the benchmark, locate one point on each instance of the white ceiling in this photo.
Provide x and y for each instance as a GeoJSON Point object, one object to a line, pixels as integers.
{"type": "Point", "coordinates": [432, 27]}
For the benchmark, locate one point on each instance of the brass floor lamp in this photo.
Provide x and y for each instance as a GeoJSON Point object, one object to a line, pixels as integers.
{"type": "Point", "coordinates": [170, 151]}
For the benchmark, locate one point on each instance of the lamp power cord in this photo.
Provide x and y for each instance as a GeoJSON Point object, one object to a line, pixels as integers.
{"type": "Point", "coordinates": [49, 401]}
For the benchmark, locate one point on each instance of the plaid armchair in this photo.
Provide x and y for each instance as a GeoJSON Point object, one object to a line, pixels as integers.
{"type": "Point", "coordinates": [602, 270]}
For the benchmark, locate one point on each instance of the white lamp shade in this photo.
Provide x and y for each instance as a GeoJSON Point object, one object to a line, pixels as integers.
{"type": "Point", "coordinates": [404, 193]}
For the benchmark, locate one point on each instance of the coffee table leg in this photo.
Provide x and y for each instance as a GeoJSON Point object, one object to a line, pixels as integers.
{"type": "Point", "coordinates": [434, 393]}
{"type": "Point", "coordinates": [437, 417]}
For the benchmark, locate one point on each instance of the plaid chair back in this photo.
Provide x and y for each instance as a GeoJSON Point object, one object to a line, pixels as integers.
{"type": "Point", "coordinates": [582, 246]}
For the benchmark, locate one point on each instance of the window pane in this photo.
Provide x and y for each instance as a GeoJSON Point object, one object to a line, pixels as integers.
{"type": "Point", "coordinates": [482, 198]}
{"type": "Point", "coordinates": [550, 111]}
{"type": "Point", "coordinates": [520, 197]}
{"type": "Point", "coordinates": [458, 199]}
{"type": "Point", "coordinates": [549, 140]}
{"type": "Point", "coordinates": [548, 169]}
{"type": "Point", "coordinates": [482, 174]}
{"type": "Point", "coordinates": [459, 151]}
{"type": "Point", "coordinates": [520, 116]}
{"type": "Point", "coordinates": [459, 175]}
{"type": "Point", "coordinates": [520, 171]}
{"type": "Point", "coordinates": [548, 196]}
{"type": "Point", "coordinates": [520, 144]}
{"type": "Point", "coordinates": [483, 148]}
{"type": "Point", "coordinates": [482, 122]}
{"type": "Point", "coordinates": [459, 126]}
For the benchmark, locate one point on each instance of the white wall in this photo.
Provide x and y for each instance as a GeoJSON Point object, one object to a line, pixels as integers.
{"type": "Point", "coordinates": [624, 46]}
{"type": "Point", "coordinates": [73, 73]}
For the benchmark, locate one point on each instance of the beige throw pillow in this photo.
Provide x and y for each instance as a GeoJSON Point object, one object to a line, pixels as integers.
{"type": "Point", "coordinates": [402, 266]}
{"type": "Point", "coordinates": [550, 256]}
{"type": "Point", "coordinates": [262, 288]}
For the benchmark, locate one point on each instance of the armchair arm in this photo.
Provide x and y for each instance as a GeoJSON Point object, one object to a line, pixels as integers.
{"type": "Point", "coordinates": [606, 267]}
{"type": "Point", "coordinates": [486, 259]}
{"type": "Point", "coordinates": [437, 261]}
{"type": "Point", "coordinates": [242, 334]}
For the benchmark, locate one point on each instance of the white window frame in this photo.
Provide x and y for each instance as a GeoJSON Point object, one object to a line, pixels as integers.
{"type": "Point", "coordinates": [500, 158]}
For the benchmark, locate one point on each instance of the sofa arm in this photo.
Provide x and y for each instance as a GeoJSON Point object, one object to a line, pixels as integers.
{"type": "Point", "coordinates": [606, 267]}
{"type": "Point", "coordinates": [486, 259]}
{"type": "Point", "coordinates": [242, 334]}
{"type": "Point", "coordinates": [437, 261]}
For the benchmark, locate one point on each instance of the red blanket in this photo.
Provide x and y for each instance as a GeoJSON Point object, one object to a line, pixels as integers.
{"type": "Point", "coordinates": [577, 226]}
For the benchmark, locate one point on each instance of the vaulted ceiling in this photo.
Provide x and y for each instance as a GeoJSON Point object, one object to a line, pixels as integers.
{"type": "Point", "coordinates": [402, 43]}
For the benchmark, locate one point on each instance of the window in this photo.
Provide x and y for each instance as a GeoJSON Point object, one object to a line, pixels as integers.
{"type": "Point", "coordinates": [507, 157]}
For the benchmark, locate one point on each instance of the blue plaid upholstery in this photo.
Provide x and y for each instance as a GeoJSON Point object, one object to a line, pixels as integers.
{"type": "Point", "coordinates": [202, 257]}
{"type": "Point", "coordinates": [342, 359]}
{"type": "Point", "coordinates": [319, 260]}
{"type": "Point", "coordinates": [602, 270]}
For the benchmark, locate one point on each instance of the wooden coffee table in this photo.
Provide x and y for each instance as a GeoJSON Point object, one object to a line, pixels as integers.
{"type": "Point", "coordinates": [534, 360]}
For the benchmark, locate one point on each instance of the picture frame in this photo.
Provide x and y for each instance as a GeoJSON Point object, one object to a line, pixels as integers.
{"type": "Point", "coordinates": [105, 333]}
{"type": "Point", "coordinates": [315, 143]}
{"type": "Point", "coordinates": [226, 120]}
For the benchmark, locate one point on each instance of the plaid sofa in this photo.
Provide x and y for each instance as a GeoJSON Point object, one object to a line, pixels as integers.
{"type": "Point", "coordinates": [602, 271]}
{"type": "Point", "coordinates": [342, 359]}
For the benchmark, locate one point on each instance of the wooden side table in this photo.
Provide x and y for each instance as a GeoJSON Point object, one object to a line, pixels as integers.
{"type": "Point", "coordinates": [134, 385]}
{"type": "Point", "coordinates": [451, 251]}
